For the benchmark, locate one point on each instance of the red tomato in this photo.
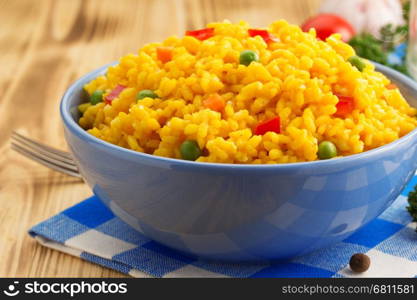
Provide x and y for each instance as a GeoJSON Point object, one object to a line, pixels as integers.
{"type": "Point", "coordinates": [327, 24]}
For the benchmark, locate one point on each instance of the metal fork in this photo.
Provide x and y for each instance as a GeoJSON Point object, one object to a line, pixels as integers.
{"type": "Point", "coordinates": [52, 158]}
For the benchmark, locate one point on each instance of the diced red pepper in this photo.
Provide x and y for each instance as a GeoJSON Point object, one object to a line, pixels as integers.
{"type": "Point", "coordinates": [164, 54]}
{"type": "Point", "coordinates": [268, 38]}
{"type": "Point", "coordinates": [273, 125]}
{"type": "Point", "coordinates": [201, 34]}
{"type": "Point", "coordinates": [114, 93]}
{"type": "Point", "coordinates": [392, 86]}
{"type": "Point", "coordinates": [344, 107]}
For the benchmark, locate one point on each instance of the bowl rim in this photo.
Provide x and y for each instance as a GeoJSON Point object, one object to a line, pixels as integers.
{"type": "Point", "coordinates": [73, 126]}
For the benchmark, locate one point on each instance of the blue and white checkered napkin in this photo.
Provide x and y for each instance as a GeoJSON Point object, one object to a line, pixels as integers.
{"type": "Point", "coordinates": [90, 231]}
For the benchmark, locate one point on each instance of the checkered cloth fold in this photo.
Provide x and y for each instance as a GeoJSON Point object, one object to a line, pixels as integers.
{"type": "Point", "coordinates": [91, 231]}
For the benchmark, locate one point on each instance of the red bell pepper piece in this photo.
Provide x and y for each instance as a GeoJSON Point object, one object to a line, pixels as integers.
{"type": "Point", "coordinates": [114, 93]}
{"type": "Point", "coordinates": [268, 38]}
{"type": "Point", "coordinates": [201, 34]}
{"type": "Point", "coordinates": [273, 125]}
{"type": "Point", "coordinates": [344, 107]}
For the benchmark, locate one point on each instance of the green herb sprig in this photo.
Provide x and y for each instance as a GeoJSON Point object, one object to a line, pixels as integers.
{"type": "Point", "coordinates": [377, 49]}
{"type": "Point", "coordinates": [412, 201]}
{"type": "Point", "coordinates": [392, 36]}
{"type": "Point", "coordinates": [369, 47]}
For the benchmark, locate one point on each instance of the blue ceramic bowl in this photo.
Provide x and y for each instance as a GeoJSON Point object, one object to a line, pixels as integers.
{"type": "Point", "coordinates": [242, 212]}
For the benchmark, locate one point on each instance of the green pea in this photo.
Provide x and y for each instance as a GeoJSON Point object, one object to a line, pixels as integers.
{"type": "Point", "coordinates": [327, 150]}
{"type": "Point", "coordinates": [146, 94]}
{"type": "Point", "coordinates": [189, 150]}
{"type": "Point", "coordinates": [357, 62]}
{"type": "Point", "coordinates": [248, 56]}
{"type": "Point", "coordinates": [96, 97]}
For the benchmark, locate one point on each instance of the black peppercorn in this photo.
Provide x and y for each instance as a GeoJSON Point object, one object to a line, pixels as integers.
{"type": "Point", "coordinates": [359, 262]}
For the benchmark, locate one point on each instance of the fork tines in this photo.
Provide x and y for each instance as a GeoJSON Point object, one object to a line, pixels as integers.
{"type": "Point", "coordinates": [50, 157]}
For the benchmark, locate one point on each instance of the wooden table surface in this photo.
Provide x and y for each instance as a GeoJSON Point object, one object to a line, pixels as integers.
{"type": "Point", "coordinates": [44, 46]}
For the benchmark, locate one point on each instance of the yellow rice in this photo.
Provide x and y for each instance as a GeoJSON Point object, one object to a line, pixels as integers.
{"type": "Point", "coordinates": [296, 79]}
